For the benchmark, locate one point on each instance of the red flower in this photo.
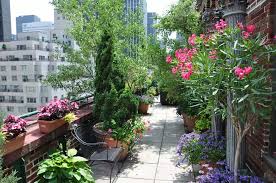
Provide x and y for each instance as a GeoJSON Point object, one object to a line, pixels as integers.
{"type": "Point", "coordinates": [250, 29]}
{"type": "Point", "coordinates": [245, 35]}
{"type": "Point", "coordinates": [169, 59]}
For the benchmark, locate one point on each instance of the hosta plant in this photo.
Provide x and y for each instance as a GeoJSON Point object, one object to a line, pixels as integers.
{"type": "Point", "coordinates": [13, 126]}
{"type": "Point", "coordinates": [57, 109]}
{"type": "Point", "coordinates": [65, 168]}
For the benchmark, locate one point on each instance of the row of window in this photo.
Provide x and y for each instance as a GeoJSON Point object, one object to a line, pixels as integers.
{"type": "Point", "coordinates": [21, 109]}
{"type": "Point", "coordinates": [26, 58]}
{"type": "Point", "coordinates": [25, 68]}
{"type": "Point", "coordinates": [25, 78]}
{"type": "Point", "coordinates": [31, 100]}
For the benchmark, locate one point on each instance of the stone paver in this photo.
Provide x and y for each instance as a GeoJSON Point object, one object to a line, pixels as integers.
{"type": "Point", "coordinates": [154, 158]}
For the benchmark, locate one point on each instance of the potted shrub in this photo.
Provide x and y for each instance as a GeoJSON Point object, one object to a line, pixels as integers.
{"type": "Point", "coordinates": [144, 103]}
{"type": "Point", "coordinates": [4, 47]}
{"type": "Point", "coordinates": [52, 116]}
{"type": "Point", "coordinates": [65, 168]}
{"type": "Point", "coordinates": [14, 129]}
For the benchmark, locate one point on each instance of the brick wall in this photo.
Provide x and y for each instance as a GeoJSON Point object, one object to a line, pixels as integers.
{"type": "Point", "coordinates": [262, 13]}
{"type": "Point", "coordinates": [37, 146]}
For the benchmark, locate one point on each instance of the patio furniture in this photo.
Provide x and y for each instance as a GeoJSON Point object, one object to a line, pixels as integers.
{"type": "Point", "coordinates": [100, 152]}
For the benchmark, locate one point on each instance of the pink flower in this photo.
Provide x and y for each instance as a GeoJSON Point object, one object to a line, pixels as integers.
{"type": "Point", "coordinates": [191, 40]}
{"type": "Point", "coordinates": [250, 29]}
{"type": "Point", "coordinates": [247, 70]}
{"type": "Point", "coordinates": [186, 75]}
{"type": "Point", "coordinates": [213, 54]}
{"type": "Point", "coordinates": [202, 36]}
{"type": "Point", "coordinates": [174, 70]}
{"type": "Point", "coordinates": [274, 37]}
{"type": "Point", "coordinates": [109, 130]}
{"type": "Point", "coordinates": [169, 59]}
{"type": "Point", "coordinates": [245, 35]}
{"type": "Point", "coordinates": [220, 25]}
{"type": "Point", "coordinates": [240, 26]}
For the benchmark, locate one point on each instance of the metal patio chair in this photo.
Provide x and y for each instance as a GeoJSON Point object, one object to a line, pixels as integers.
{"type": "Point", "coordinates": [100, 152]}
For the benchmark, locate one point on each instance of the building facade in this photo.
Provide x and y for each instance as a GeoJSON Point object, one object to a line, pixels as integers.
{"type": "Point", "coordinates": [25, 19]}
{"type": "Point", "coordinates": [132, 5]}
{"type": "Point", "coordinates": [151, 16]}
{"type": "Point", "coordinates": [5, 20]}
{"type": "Point", "coordinates": [37, 26]}
{"type": "Point", "coordinates": [23, 65]}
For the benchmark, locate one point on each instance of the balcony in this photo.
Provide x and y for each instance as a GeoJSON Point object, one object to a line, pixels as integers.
{"type": "Point", "coordinates": [27, 48]}
{"type": "Point", "coordinates": [22, 59]}
{"type": "Point", "coordinates": [12, 90]}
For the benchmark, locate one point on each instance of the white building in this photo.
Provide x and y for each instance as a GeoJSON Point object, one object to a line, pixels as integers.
{"type": "Point", "coordinates": [23, 65]}
{"type": "Point", "coordinates": [37, 26]}
{"type": "Point", "coordinates": [60, 32]}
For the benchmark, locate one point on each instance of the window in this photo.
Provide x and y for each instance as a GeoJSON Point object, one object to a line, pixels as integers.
{"type": "Point", "coordinates": [31, 100]}
{"type": "Point", "coordinates": [31, 109]}
{"type": "Point", "coordinates": [14, 78]}
{"type": "Point", "coordinates": [3, 68]}
{"type": "Point", "coordinates": [44, 99]}
{"type": "Point", "coordinates": [28, 38]}
{"type": "Point", "coordinates": [3, 78]}
{"type": "Point", "coordinates": [13, 68]}
{"type": "Point", "coordinates": [41, 57]}
{"type": "Point", "coordinates": [36, 67]}
{"type": "Point", "coordinates": [27, 57]}
{"type": "Point", "coordinates": [37, 47]}
{"type": "Point", "coordinates": [10, 108]}
{"type": "Point", "coordinates": [58, 18]}
{"type": "Point", "coordinates": [62, 59]}
{"type": "Point", "coordinates": [24, 78]}
{"type": "Point", "coordinates": [2, 98]}
{"type": "Point", "coordinates": [23, 67]}
{"type": "Point", "coordinates": [21, 47]}
{"type": "Point", "coordinates": [30, 88]}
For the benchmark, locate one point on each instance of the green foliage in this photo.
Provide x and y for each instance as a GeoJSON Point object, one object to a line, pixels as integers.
{"type": "Point", "coordinates": [65, 168]}
{"type": "Point", "coordinates": [202, 124]}
{"type": "Point", "coordinates": [69, 118]}
{"type": "Point", "coordinates": [194, 151]}
{"type": "Point", "coordinates": [182, 17]}
{"type": "Point", "coordinates": [146, 99]}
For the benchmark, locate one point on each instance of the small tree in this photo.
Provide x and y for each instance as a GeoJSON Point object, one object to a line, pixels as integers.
{"type": "Point", "coordinates": [4, 47]}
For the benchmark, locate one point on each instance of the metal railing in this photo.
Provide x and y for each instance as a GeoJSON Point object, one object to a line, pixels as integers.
{"type": "Point", "coordinates": [11, 90]}
{"type": "Point", "coordinates": [27, 48]}
{"type": "Point", "coordinates": [22, 59]}
{"type": "Point", "coordinates": [12, 101]}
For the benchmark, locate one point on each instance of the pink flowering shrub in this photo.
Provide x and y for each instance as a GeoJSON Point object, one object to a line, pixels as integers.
{"type": "Point", "coordinates": [13, 126]}
{"type": "Point", "coordinates": [57, 109]}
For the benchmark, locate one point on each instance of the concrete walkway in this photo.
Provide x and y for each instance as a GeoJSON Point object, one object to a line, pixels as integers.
{"type": "Point", "coordinates": [154, 158]}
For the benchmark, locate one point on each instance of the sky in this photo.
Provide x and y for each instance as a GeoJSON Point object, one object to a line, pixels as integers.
{"type": "Point", "coordinates": [45, 10]}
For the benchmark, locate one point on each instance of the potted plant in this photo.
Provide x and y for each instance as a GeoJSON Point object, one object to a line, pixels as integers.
{"type": "Point", "coordinates": [52, 116]}
{"type": "Point", "coordinates": [144, 103]}
{"type": "Point", "coordinates": [4, 47]}
{"type": "Point", "coordinates": [14, 129]}
{"type": "Point", "coordinates": [65, 168]}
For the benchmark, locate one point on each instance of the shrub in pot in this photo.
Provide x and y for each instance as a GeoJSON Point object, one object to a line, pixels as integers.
{"type": "Point", "coordinates": [51, 116]}
{"type": "Point", "coordinates": [144, 103]}
{"type": "Point", "coordinates": [65, 168]}
{"type": "Point", "coordinates": [14, 129]}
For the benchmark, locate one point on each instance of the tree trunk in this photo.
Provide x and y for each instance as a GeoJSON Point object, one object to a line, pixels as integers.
{"type": "Point", "coordinates": [237, 157]}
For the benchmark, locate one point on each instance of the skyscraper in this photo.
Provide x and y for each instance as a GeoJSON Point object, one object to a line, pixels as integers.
{"type": "Point", "coordinates": [151, 22]}
{"type": "Point", "coordinates": [25, 19]}
{"type": "Point", "coordinates": [5, 20]}
{"type": "Point", "coordinates": [131, 5]}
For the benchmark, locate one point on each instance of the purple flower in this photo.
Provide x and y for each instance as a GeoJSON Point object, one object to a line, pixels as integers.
{"type": "Point", "coordinates": [13, 126]}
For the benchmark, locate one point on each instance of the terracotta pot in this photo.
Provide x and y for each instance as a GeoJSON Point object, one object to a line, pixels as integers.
{"type": "Point", "coordinates": [106, 137]}
{"type": "Point", "coordinates": [206, 166]}
{"type": "Point", "coordinates": [143, 108]}
{"type": "Point", "coordinates": [14, 144]}
{"type": "Point", "coordinates": [189, 122]}
{"type": "Point", "coordinates": [49, 126]}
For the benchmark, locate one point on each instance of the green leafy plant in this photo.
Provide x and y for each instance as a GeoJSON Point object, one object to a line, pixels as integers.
{"type": "Point", "coordinates": [146, 99]}
{"type": "Point", "coordinates": [65, 168]}
{"type": "Point", "coordinates": [202, 124]}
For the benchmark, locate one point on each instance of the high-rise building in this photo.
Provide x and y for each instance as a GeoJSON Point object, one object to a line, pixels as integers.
{"type": "Point", "coordinates": [151, 22]}
{"type": "Point", "coordinates": [25, 19]}
{"type": "Point", "coordinates": [5, 20]}
{"type": "Point", "coordinates": [24, 63]}
{"type": "Point", "coordinates": [131, 5]}
{"type": "Point", "coordinates": [37, 26]}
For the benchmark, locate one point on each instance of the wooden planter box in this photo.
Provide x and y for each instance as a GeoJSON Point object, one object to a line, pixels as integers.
{"type": "Point", "coordinates": [189, 122]}
{"type": "Point", "coordinates": [106, 137]}
{"type": "Point", "coordinates": [14, 144]}
{"type": "Point", "coordinates": [143, 108]}
{"type": "Point", "coordinates": [49, 126]}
